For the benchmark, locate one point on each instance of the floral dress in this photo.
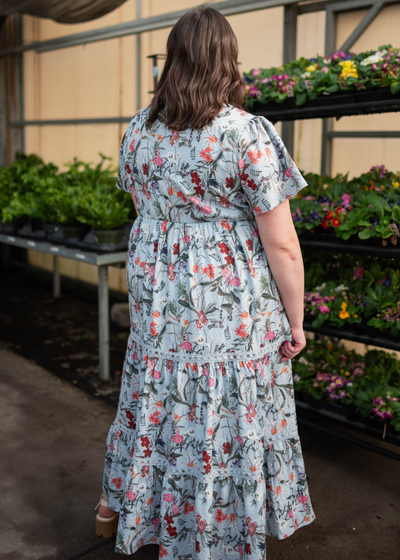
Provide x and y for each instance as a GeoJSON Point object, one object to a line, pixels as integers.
{"type": "Point", "coordinates": [204, 456]}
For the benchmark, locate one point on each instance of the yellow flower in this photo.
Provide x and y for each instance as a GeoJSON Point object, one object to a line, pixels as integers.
{"type": "Point", "coordinates": [344, 305]}
{"type": "Point", "coordinates": [347, 373]}
{"type": "Point", "coordinates": [311, 68]}
{"type": "Point", "coordinates": [396, 184]}
{"type": "Point", "coordinates": [355, 315]}
{"type": "Point", "coordinates": [344, 314]}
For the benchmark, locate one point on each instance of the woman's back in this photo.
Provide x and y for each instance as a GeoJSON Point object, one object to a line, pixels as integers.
{"type": "Point", "coordinates": [194, 250]}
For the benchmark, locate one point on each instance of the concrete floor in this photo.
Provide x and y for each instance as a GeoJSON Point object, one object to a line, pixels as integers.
{"type": "Point", "coordinates": [51, 460]}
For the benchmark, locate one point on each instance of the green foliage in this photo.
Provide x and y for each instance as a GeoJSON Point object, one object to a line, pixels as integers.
{"type": "Point", "coordinates": [81, 194]}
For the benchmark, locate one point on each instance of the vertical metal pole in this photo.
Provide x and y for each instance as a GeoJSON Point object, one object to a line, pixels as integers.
{"type": "Point", "coordinates": [104, 325]}
{"type": "Point", "coordinates": [289, 53]}
{"type": "Point", "coordinates": [56, 277]}
{"type": "Point", "coordinates": [138, 59]}
{"type": "Point", "coordinates": [21, 81]}
{"type": "Point", "coordinates": [330, 41]}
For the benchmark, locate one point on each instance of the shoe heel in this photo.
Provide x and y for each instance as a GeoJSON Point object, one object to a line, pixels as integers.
{"type": "Point", "coordinates": [106, 526]}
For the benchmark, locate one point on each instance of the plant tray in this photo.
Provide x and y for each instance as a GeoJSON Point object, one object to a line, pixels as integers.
{"type": "Point", "coordinates": [329, 242]}
{"type": "Point", "coordinates": [351, 332]}
{"type": "Point", "coordinates": [89, 242]}
{"type": "Point", "coordinates": [340, 104]}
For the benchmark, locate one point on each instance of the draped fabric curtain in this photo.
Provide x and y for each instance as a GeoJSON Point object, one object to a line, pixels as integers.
{"type": "Point", "coordinates": [63, 11]}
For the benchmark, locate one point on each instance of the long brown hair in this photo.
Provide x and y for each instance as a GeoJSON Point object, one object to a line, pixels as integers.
{"type": "Point", "coordinates": [201, 71]}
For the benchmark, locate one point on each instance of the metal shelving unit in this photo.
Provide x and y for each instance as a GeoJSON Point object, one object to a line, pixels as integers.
{"type": "Point", "coordinates": [102, 261]}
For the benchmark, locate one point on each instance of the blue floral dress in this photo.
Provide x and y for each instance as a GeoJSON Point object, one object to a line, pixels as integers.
{"type": "Point", "coordinates": [204, 456]}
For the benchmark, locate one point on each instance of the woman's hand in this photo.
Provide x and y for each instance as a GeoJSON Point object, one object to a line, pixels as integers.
{"type": "Point", "coordinates": [288, 350]}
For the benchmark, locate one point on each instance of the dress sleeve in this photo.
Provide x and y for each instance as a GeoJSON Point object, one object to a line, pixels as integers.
{"type": "Point", "coordinates": [268, 174]}
{"type": "Point", "coordinates": [125, 177]}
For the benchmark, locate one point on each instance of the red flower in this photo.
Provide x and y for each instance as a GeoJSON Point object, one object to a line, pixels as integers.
{"type": "Point", "coordinates": [207, 468]}
{"type": "Point", "coordinates": [197, 546]}
{"type": "Point", "coordinates": [147, 452]}
{"type": "Point", "coordinates": [338, 211]}
{"type": "Point", "coordinates": [144, 167]}
{"type": "Point", "coordinates": [171, 531]}
{"type": "Point", "coordinates": [128, 168]}
{"type": "Point", "coordinates": [180, 195]}
{"type": "Point", "coordinates": [176, 249]}
{"type": "Point", "coordinates": [224, 248]}
{"type": "Point", "coordinates": [117, 482]}
{"type": "Point", "coordinates": [155, 246]}
{"type": "Point", "coordinates": [229, 259]}
{"type": "Point", "coordinates": [131, 419]}
{"type": "Point", "coordinates": [329, 215]}
{"type": "Point", "coordinates": [199, 191]}
{"type": "Point", "coordinates": [252, 184]}
{"type": "Point", "coordinates": [248, 548]}
{"type": "Point", "coordinates": [220, 516]}
{"type": "Point", "coordinates": [206, 457]}
{"type": "Point", "coordinates": [249, 244]}
{"type": "Point", "coordinates": [169, 519]}
{"type": "Point", "coordinates": [244, 177]}
{"type": "Point", "coordinates": [227, 447]}
{"type": "Point", "coordinates": [163, 551]}
{"type": "Point", "coordinates": [145, 441]}
{"type": "Point", "coordinates": [324, 224]}
{"type": "Point", "coordinates": [187, 508]}
{"type": "Point", "coordinates": [195, 178]}
{"type": "Point", "coordinates": [335, 222]}
{"type": "Point", "coordinates": [229, 182]}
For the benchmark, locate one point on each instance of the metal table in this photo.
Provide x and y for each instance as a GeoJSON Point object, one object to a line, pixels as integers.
{"type": "Point", "coordinates": [102, 261]}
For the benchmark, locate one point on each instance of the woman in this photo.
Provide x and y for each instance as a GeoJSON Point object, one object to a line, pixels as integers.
{"type": "Point", "coordinates": [204, 456]}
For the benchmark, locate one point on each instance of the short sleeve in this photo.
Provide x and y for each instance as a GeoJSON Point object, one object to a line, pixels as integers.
{"type": "Point", "coordinates": [268, 174]}
{"type": "Point", "coordinates": [125, 177]}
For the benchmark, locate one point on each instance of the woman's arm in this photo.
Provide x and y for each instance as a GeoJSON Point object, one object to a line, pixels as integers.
{"type": "Point", "coordinates": [282, 249]}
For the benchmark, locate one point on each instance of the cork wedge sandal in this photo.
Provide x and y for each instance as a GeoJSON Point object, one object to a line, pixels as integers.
{"type": "Point", "coordinates": [105, 526]}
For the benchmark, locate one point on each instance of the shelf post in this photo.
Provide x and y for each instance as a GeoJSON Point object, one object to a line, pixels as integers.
{"type": "Point", "coordinates": [104, 325]}
{"type": "Point", "coordinates": [289, 53]}
{"type": "Point", "coordinates": [56, 277]}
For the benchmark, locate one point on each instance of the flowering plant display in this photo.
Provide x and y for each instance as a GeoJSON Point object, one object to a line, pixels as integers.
{"type": "Point", "coordinates": [328, 371]}
{"type": "Point", "coordinates": [308, 78]}
{"type": "Point", "coordinates": [344, 289]}
{"type": "Point", "coordinates": [366, 206]}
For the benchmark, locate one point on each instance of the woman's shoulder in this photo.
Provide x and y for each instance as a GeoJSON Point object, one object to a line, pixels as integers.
{"type": "Point", "coordinates": [239, 120]}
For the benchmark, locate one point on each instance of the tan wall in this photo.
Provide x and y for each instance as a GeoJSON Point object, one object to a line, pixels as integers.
{"type": "Point", "coordinates": [99, 80]}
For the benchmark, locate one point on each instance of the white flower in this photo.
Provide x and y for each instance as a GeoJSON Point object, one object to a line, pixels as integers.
{"type": "Point", "coordinates": [258, 495]}
{"type": "Point", "coordinates": [191, 431]}
{"type": "Point", "coordinates": [208, 493]}
{"type": "Point", "coordinates": [200, 340]}
{"type": "Point", "coordinates": [165, 393]}
{"type": "Point", "coordinates": [303, 360]}
{"type": "Point", "coordinates": [374, 58]}
{"type": "Point", "coordinates": [251, 435]}
{"type": "Point", "coordinates": [219, 398]}
{"type": "Point", "coordinates": [326, 61]}
{"type": "Point", "coordinates": [170, 156]}
{"type": "Point", "coordinates": [306, 75]}
{"type": "Point", "coordinates": [141, 487]}
{"type": "Point", "coordinates": [230, 550]}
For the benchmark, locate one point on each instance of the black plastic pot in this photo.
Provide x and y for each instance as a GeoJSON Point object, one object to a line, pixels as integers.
{"type": "Point", "coordinates": [33, 227]}
{"type": "Point", "coordinates": [344, 411]}
{"type": "Point", "coordinates": [109, 236]}
{"type": "Point", "coordinates": [76, 231]}
{"type": "Point", "coordinates": [10, 228]}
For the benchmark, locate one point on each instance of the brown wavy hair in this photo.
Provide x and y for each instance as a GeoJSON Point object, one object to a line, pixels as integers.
{"type": "Point", "coordinates": [201, 71]}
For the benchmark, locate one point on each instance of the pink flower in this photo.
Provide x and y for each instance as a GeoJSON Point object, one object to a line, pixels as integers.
{"type": "Point", "coordinates": [150, 271]}
{"type": "Point", "coordinates": [169, 498]}
{"type": "Point", "coordinates": [175, 509]}
{"type": "Point", "coordinates": [302, 499]}
{"type": "Point", "coordinates": [270, 334]}
{"type": "Point", "coordinates": [177, 438]}
{"type": "Point", "coordinates": [291, 514]}
{"type": "Point", "coordinates": [226, 273]}
{"type": "Point", "coordinates": [241, 163]}
{"type": "Point", "coordinates": [156, 374]}
{"type": "Point", "coordinates": [130, 495]}
{"type": "Point", "coordinates": [187, 345]}
{"type": "Point", "coordinates": [256, 71]}
{"type": "Point", "coordinates": [211, 382]}
{"type": "Point", "coordinates": [288, 172]}
{"type": "Point", "coordinates": [324, 309]}
{"type": "Point", "coordinates": [156, 522]}
{"type": "Point", "coordinates": [235, 281]}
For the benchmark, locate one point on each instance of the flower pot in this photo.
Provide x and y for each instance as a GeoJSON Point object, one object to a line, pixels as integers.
{"type": "Point", "coordinates": [11, 227]}
{"type": "Point", "coordinates": [74, 232]}
{"type": "Point", "coordinates": [108, 236]}
{"type": "Point", "coordinates": [341, 410]}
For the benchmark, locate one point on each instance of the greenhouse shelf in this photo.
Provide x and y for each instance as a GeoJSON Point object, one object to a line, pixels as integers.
{"type": "Point", "coordinates": [390, 343]}
{"type": "Point", "coordinates": [102, 261]}
{"type": "Point", "coordinates": [354, 247]}
{"type": "Point", "coordinates": [340, 104]}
